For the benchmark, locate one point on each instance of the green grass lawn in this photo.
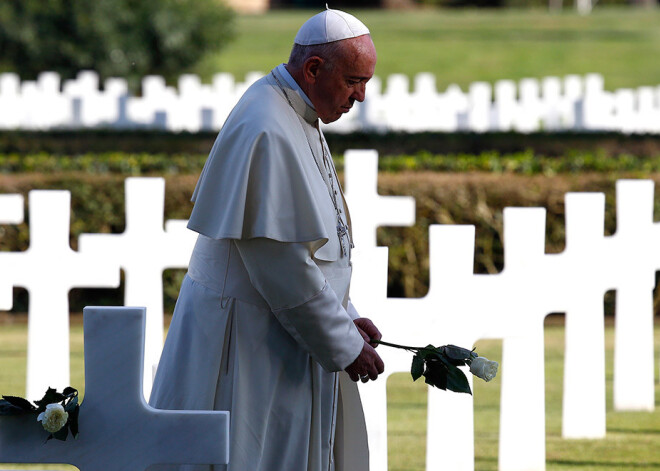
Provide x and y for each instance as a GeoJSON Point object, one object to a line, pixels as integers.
{"type": "Point", "coordinates": [632, 442]}
{"type": "Point", "coordinates": [463, 46]}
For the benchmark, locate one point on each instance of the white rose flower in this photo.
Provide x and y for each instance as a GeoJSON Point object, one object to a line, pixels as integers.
{"type": "Point", "coordinates": [484, 368]}
{"type": "Point", "coordinates": [53, 418]}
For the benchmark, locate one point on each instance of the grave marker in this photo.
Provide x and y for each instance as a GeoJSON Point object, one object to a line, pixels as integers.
{"type": "Point", "coordinates": [48, 269]}
{"type": "Point", "coordinates": [118, 430]}
{"type": "Point", "coordinates": [143, 251]}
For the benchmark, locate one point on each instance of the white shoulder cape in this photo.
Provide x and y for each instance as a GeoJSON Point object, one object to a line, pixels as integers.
{"type": "Point", "coordinates": [261, 179]}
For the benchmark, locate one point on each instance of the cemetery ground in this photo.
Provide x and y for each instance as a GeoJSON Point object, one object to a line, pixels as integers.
{"type": "Point", "coordinates": [463, 46]}
{"type": "Point", "coordinates": [632, 440]}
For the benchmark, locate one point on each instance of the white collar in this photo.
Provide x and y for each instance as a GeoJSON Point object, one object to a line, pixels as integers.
{"type": "Point", "coordinates": [293, 84]}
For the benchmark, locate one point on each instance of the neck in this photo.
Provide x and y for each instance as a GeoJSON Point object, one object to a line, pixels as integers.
{"type": "Point", "coordinates": [298, 77]}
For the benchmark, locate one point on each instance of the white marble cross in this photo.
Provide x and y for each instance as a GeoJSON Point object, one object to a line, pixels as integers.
{"type": "Point", "coordinates": [581, 280]}
{"type": "Point", "coordinates": [635, 251]}
{"type": "Point", "coordinates": [462, 307]}
{"type": "Point", "coordinates": [144, 250]}
{"type": "Point", "coordinates": [370, 210]}
{"type": "Point", "coordinates": [118, 430]}
{"type": "Point", "coordinates": [48, 269]}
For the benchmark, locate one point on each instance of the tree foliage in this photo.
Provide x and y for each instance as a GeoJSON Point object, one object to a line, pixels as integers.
{"type": "Point", "coordinates": [119, 38]}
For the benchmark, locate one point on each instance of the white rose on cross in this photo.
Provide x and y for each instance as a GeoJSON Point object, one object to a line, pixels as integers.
{"type": "Point", "coordinates": [53, 418]}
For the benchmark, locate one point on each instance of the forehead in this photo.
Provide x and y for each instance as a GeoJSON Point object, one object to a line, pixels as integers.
{"type": "Point", "coordinates": [358, 57]}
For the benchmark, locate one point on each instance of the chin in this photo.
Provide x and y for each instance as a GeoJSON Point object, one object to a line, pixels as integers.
{"type": "Point", "coordinates": [330, 119]}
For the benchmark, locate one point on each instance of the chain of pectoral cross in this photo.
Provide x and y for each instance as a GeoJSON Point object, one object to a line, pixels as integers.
{"type": "Point", "coordinates": [342, 228]}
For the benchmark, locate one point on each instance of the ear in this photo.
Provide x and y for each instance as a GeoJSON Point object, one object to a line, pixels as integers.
{"type": "Point", "coordinates": [311, 68]}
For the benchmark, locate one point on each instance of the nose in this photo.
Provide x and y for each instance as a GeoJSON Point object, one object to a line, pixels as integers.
{"type": "Point", "coordinates": [360, 92]}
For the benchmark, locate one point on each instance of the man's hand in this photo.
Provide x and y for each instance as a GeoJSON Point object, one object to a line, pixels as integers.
{"type": "Point", "coordinates": [368, 330]}
{"type": "Point", "coordinates": [367, 366]}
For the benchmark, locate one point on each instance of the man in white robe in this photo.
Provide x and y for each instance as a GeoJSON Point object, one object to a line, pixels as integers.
{"type": "Point", "coordinates": [264, 326]}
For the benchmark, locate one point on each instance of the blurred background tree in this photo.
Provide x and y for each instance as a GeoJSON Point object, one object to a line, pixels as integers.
{"type": "Point", "coordinates": [116, 38]}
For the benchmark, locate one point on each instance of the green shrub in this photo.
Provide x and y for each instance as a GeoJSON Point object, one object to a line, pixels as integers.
{"type": "Point", "coordinates": [123, 38]}
{"type": "Point", "coordinates": [476, 198]}
{"type": "Point", "coordinates": [191, 163]}
{"type": "Point", "coordinates": [559, 144]}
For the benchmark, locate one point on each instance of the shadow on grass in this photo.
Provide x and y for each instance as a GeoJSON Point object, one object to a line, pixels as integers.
{"type": "Point", "coordinates": [605, 464]}
{"type": "Point", "coordinates": [634, 431]}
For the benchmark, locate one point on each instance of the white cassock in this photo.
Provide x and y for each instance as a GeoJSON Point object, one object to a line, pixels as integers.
{"type": "Point", "coordinates": [263, 322]}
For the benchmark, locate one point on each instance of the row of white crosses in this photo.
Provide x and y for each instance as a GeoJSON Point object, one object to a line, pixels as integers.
{"type": "Point", "coordinates": [49, 269]}
{"type": "Point", "coordinates": [460, 307]}
{"type": "Point", "coordinates": [47, 103]}
{"type": "Point", "coordinates": [550, 104]}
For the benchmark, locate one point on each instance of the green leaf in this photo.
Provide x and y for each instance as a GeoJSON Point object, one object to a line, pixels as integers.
{"type": "Point", "coordinates": [21, 403]}
{"type": "Point", "coordinates": [72, 404]}
{"type": "Point", "coordinates": [73, 421]}
{"type": "Point", "coordinates": [457, 381]}
{"type": "Point", "coordinates": [417, 367]}
{"type": "Point", "coordinates": [51, 397]}
{"type": "Point", "coordinates": [70, 392]}
{"type": "Point", "coordinates": [62, 433]}
{"type": "Point", "coordinates": [457, 354]}
{"type": "Point", "coordinates": [436, 374]}
{"type": "Point", "coordinates": [429, 352]}
{"type": "Point", "coordinates": [7, 408]}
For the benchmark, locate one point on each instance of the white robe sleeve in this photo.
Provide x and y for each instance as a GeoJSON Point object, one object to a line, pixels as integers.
{"type": "Point", "coordinates": [352, 312]}
{"type": "Point", "coordinates": [301, 300]}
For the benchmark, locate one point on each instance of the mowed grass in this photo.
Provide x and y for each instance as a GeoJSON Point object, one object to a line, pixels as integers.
{"type": "Point", "coordinates": [632, 442]}
{"type": "Point", "coordinates": [463, 46]}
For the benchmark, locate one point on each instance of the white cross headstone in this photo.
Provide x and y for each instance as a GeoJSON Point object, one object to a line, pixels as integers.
{"type": "Point", "coordinates": [457, 104]}
{"type": "Point", "coordinates": [573, 94]}
{"type": "Point", "coordinates": [11, 106]}
{"type": "Point", "coordinates": [52, 108]}
{"type": "Point", "coordinates": [633, 319]}
{"type": "Point", "coordinates": [530, 109]}
{"type": "Point", "coordinates": [583, 413]}
{"type": "Point", "coordinates": [522, 398]}
{"type": "Point", "coordinates": [85, 96]}
{"type": "Point", "coordinates": [551, 97]}
{"type": "Point", "coordinates": [368, 212]}
{"type": "Point", "coordinates": [479, 97]}
{"type": "Point", "coordinates": [451, 253]}
{"type": "Point", "coordinates": [397, 96]}
{"type": "Point", "coordinates": [48, 269]}
{"type": "Point", "coordinates": [426, 104]}
{"type": "Point", "coordinates": [624, 114]}
{"type": "Point", "coordinates": [373, 111]}
{"type": "Point", "coordinates": [648, 111]}
{"type": "Point", "coordinates": [368, 209]}
{"type": "Point", "coordinates": [224, 99]}
{"type": "Point", "coordinates": [118, 430]}
{"type": "Point", "coordinates": [144, 250]}
{"type": "Point", "coordinates": [505, 107]}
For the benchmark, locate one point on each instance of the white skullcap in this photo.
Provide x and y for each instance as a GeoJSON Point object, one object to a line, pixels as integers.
{"type": "Point", "coordinates": [329, 26]}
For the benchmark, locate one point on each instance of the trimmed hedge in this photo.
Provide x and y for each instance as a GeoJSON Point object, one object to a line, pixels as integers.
{"type": "Point", "coordinates": [393, 143]}
{"type": "Point", "coordinates": [441, 198]}
{"type": "Point", "coordinates": [526, 163]}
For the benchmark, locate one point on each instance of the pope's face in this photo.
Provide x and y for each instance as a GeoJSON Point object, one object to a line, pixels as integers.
{"type": "Point", "coordinates": [342, 83]}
